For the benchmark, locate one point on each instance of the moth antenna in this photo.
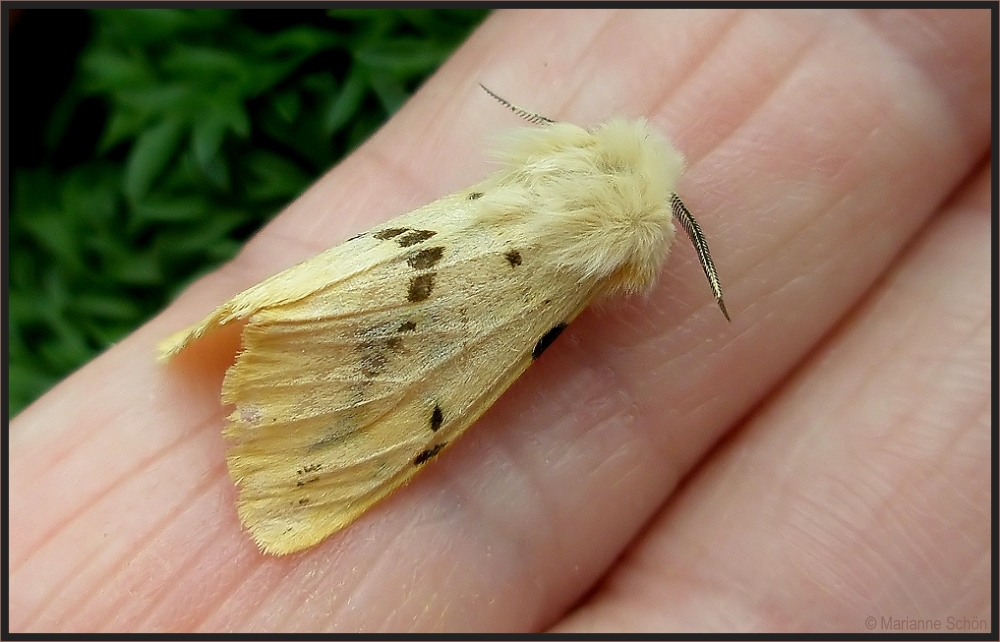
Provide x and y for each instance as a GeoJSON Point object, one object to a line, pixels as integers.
{"type": "Point", "coordinates": [530, 116]}
{"type": "Point", "coordinates": [693, 230]}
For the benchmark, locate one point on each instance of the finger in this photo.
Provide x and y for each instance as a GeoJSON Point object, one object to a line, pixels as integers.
{"type": "Point", "coordinates": [858, 497]}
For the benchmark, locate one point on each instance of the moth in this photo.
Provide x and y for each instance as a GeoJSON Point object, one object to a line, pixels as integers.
{"type": "Point", "coordinates": [360, 365]}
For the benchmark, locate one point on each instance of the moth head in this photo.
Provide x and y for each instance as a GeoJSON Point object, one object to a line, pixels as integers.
{"type": "Point", "coordinates": [603, 199]}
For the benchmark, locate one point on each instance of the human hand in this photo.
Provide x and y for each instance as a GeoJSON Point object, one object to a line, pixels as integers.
{"type": "Point", "coordinates": [823, 459]}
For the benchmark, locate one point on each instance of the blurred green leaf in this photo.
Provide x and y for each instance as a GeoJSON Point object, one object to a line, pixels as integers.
{"type": "Point", "coordinates": [390, 91]}
{"type": "Point", "coordinates": [136, 270]}
{"type": "Point", "coordinates": [287, 105]}
{"type": "Point", "coordinates": [302, 41]}
{"type": "Point", "coordinates": [91, 194]}
{"type": "Point", "coordinates": [108, 70]}
{"type": "Point", "coordinates": [104, 333]}
{"type": "Point", "coordinates": [50, 231]}
{"type": "Point", "coordinates": [206, 137]}
{"type": "Point", "coordinates": [236, 118]}
{"type": "Point", "coordinates": [170, 208]}
{"type": "Point", "coordinates": [156, 101]}
{"type": "Point", "coordinates": [125, 122]}
{"type": "Point", "coordinates": [216, 171]}
{"type": "Point", "coordinates": [154, 26]}
{"type": "Point", "coordinates": [201, 237]}
{"type": "Point", "coordinates": [402, 58]}
{"type": "Point", "coordinates": [274, 177]}
{"type": "Point", "coordinates": [347, 103]}
{"type": "Point", "coordinates": [152, 152]}
{"type": "Point", "coordinates": [104, 306]}
{"type": "Point", "coordinates": [363, 126]}
{"type": "Point", "coordinates": [205, 65]}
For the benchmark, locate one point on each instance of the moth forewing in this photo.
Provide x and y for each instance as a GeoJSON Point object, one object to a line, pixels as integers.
{"type": "Point", "coordinates": [360, 365]}
{"type": "Point", "coordinates": [340, 400]}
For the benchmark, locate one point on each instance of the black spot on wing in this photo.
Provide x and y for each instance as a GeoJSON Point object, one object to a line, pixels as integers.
{"type": "Point", "coordinates": [407, 326]}
{"type": "Point", "coordinates": [404, 235]}
{"type": "Point", "coordinates": [425, 258]}
{"type": "Point", "coordinates": [414, 236]}
{"type": "Point", "coordinates": [475, 196]}
{"type": "Point", "coordinates": [428, 454]}
{"type": "Point", "coordinates": [420, 287]}
{"type": "Point", "coordinates": [513, 257]}
{"type": "Point", "coordinates": [437, 418]}
{"type": "Point", "coordinates": [389, 233]}
{"type": "Point", "coordinates": [547, 340]}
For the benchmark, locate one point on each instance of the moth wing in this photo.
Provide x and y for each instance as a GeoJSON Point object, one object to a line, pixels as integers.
{"type": "Point", "coordinates": [326, 270]}
{"type": "Point", "coordinates": [342, 395]}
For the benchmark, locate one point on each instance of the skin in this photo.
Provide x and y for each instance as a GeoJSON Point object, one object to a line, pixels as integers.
{"type": "Point", "coordinates": [823, 459]}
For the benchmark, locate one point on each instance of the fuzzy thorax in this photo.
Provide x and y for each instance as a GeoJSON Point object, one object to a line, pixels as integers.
{"type": "Point", "coordinates": [597, 201]}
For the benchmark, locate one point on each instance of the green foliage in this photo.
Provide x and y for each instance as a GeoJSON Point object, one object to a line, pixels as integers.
{"type": "Point", "coordinates": [212, 125]}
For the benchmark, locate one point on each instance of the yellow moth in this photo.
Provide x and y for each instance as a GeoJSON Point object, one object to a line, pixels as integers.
{"type": "Point", "coordinates": [360, 365]}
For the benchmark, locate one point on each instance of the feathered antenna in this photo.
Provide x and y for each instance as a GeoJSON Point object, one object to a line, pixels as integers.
{"type": "Point", "coordinates": [530, 116]}
{"type": "Point", "coordinates": [694, 233]}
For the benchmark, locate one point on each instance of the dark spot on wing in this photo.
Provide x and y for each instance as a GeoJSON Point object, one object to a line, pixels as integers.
{"type": "Point", "coordinates": [375, 354]}
{"type": "Point", "coordinates": [475, 196]}
{"type": "Point", "coordinates": [407, 326]}
{"type": "Point", "coordinates": [547, 340]}
{"type": "Point", "coordinates": [426, 455]}
{"type": "Point", "coordinates": [311, 468]}
{"type": "Point", "coordinates": [437, 418]}
{"type": "Point", "coordinates": [372, 364]}
{"type": "Point", "coordinates": [415, 236]}
{"type": "Point", "coordinates": [303, 501]}
{"type": "Point", "coordinates": [425, 258]}
{"type": "Point", "coordinates": [513, 257]}
{"type": "Point", "coordinates": [303, 482]}
{"type": "Point", "coordinates": [392, 232]}
{"type": "Point", "coordinates": [420, 287]}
